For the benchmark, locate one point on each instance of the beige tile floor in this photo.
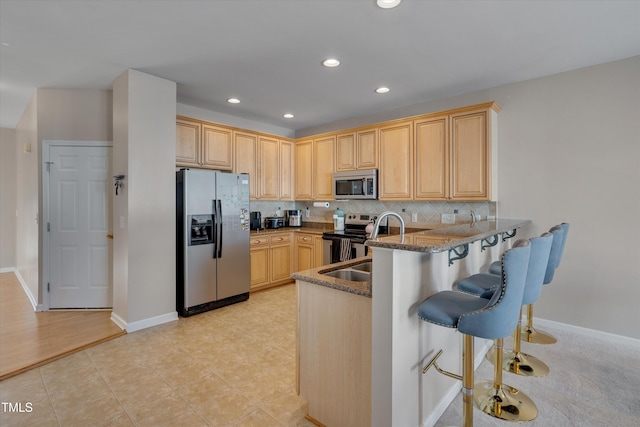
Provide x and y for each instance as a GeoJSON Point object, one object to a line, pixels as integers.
{"type": "Point", "coordinates": [230, 367]}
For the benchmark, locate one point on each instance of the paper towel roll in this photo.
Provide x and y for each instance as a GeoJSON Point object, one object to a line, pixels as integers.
{"type": "Point", "coordinates": [321, 204]}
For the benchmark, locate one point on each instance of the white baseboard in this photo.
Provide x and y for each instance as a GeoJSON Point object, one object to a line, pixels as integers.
{"type": "Point", "coordinates": [579, 330]}
{"type": "Point", "coordinates": [7, 269]}
{"type": "Point", "coordinates": [32, 299]}
{"type": "Point", "coordinates": [144, 323]}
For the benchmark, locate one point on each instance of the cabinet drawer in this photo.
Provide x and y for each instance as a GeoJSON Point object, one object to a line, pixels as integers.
{"type": "Point", "coordinates": [259, 240]}
{"type": "Point", "coordinates": [304, 238]}
{"type": "Point", "coordinates": [280, 239]}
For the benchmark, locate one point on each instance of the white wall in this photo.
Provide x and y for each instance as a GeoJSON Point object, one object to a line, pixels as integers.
{"type": "Point", "coordinates": [52, 114]}
{"type": "Point", "coordinates": [569, 151]}
{"type": "Point", "coordinates": [27, 201]}
{"type": "Point", "coordinates": [7, 198]}
{"type": "Point", "coordinates": [145, 247]}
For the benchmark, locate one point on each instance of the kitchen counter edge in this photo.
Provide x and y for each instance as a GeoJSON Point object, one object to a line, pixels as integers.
{"type": "Point", "coordinates": [314, 276]}
{"type": "Point", "coordinates": [447, 238]}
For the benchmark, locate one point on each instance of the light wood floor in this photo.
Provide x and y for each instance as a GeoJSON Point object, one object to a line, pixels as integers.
{"type": "Point", "coordinates": [29, 339]}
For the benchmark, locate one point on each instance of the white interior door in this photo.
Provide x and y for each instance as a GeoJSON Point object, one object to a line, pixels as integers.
{"type": "Point", "coordinates": [79, 205]}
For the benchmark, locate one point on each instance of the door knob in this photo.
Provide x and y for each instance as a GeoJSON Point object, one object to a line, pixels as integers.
{"type": "Point", "coordinates": [110, 236]}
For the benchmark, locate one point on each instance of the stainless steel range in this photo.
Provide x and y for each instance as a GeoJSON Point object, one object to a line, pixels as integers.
{"type": "Point", "coordinates": [348, 244]}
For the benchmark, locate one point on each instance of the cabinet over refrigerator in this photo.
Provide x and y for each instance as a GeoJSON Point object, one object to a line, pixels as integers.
{"type": "Point", "coordinates": [212, 214]}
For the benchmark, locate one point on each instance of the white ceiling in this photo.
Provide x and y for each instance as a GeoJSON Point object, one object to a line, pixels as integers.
{"type": "Point", "coordinates": [268, 53]}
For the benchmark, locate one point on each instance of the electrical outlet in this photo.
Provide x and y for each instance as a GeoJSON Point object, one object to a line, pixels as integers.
{"type": "Point", "coordinates": [491, 217]}
{"type": "Point", "coordinates": [448, 218]}
{"type": "Point", "coordinates": [306, 213]}
{"type": "Point", "coordinates": [414, 217]}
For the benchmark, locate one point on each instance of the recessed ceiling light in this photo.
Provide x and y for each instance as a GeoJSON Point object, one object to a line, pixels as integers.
{"type": "Point", "coordinates": [388, 4]}
{"type": "Point", "coordinates": [288, 116]}
{"type": "Point", "coordinates": [331, 62]}
{"type": "Point", "coordinates": [382, 90]}
{"type": "Point", "coordinates": [233, 101]}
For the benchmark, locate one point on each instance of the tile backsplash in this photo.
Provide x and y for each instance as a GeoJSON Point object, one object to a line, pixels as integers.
{"type": "Point", "coordinates": [428, 213]}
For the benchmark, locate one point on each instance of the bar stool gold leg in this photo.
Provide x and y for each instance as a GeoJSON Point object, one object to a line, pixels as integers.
{"type": "Point", "coordinates": [520, 363]}
{"type": "Point", "coordinates": [503, 401]}
{"type": "Point", "coordinates": [531, 335]}
{"type": "Point", "coordinates": [467, 381]}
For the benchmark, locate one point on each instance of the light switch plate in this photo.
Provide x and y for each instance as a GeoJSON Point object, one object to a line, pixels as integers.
{"type": "Point", "coordinates": [448, 218]}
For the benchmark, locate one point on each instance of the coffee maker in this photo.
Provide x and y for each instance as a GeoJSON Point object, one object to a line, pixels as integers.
{"type": "Point", "coordinates": [294, 218]}
{"type": "Point", "coordinates": [255, 220]}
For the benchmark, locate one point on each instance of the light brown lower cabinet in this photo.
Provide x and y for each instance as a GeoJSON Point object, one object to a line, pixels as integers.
{"type": "Point", "coordinates": [334, 355]}
{"type": "Point", "coordinates": [271, 260]}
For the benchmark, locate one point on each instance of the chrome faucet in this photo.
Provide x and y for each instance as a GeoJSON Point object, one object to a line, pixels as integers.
{"type": "Point", "coordinates": [374, 233]}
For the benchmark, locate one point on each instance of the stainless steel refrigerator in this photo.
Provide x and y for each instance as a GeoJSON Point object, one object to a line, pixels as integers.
{"type": "Point", "coordinates": [213, 267]}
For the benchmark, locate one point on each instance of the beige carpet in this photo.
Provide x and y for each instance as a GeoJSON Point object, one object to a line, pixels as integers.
{"type": "Point", "coordinates": [592, 383]}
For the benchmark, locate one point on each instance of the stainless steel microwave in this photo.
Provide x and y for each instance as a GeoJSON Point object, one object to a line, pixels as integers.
{"type": "Point", "coordinates": [360, 184]}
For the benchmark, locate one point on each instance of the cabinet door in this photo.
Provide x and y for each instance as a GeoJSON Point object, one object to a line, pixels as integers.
{"type": "Point", "coordinates": [304, 170]}
{"type": "Point", "coordinates": [217, 147]}
{"type": "Point", "coordinates": [187, 143]}
{"type": "Point", "coordinates": [323, 158]}
{"type": "Point", "coordinates": [304, 252]}
{"type": "Point", "coordinates": [280, 262]}
{"type": "Point", "coordinates": [367, 149]}
{"type": "Point", "coordinates": [346, 152]}
{"type": "Point", "coordinates": [470, 157]}
{"type": "Point", "coordinates": [246, 158]}
{"type": "Point", "coordinates": [259, 266]}
{"type": "Point", "coordinates": [317, 251]}
{"type": "Point", "coordinates": [432, 158]}
{"type": "Point", "coordinates": [269, 156]}
{"type": "Point", "coordinates": [396, 162]}
{"type": "Point", "coordinates": [286, 170]}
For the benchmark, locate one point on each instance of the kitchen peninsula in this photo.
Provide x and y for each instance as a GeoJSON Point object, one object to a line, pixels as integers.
{"type": "Point", "coordinates": [361, 346]}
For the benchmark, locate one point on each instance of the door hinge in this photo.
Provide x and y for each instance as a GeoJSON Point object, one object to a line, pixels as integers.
{"type": "Point", "coordinates": [48, 287]}
{"type": "Point", "coordinates": [48, 166]}
{"type": "Point", "coordinates": [48, 227]}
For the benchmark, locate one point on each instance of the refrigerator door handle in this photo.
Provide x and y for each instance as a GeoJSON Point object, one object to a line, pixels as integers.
{"type": "Point", "coordinates": [219, 216]}
{"type": "Point", "coordinates": [215, 227]}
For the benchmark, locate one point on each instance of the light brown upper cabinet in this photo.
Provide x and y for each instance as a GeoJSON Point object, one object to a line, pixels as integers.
{"type": "Point", "coordinates": [471, 156]}
{"type": "Point", "coordinates": [217, 147]}
{"type": "Point", "coordinates": [346, 152]}
{"type": "Point", "coordinates": [202, 145]}
{"type": "Point", "coordinates": [432, 158]}
{"type": "Point", "coordinates": [268, 171]}
{"type": "Point", "coordinates": [188, 143]}
{"type": "Point", "coordinates": [323, 158]}
{"type": "Point", "coordinates": [314, 160]}
{"type": "Point", "coordinates": [454, 154]}
{"type": "Point", "coordinates": [286, 170]}
{"type": "Point", "coordinates": [395, 181]}
{"type": "Point", "coordinates": [246, 158]}
{"type": "Point", "coordinates": [303, 170]}
{"type": "Point", "coordinates": [357, 150]}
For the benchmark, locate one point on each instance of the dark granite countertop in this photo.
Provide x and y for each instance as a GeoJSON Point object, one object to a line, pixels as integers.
{"type": "Point", "coordinates": [448, 237]}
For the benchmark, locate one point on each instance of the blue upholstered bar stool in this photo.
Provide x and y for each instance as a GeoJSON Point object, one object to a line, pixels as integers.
{"type": "Point", "coordinates": [529, 334]}
{"type": "Point", "coordinates": [481, 285]}
{"type": "Point", "coordinates": [493, 397]}
{"type": "Point", "coordinates": [494, 318]}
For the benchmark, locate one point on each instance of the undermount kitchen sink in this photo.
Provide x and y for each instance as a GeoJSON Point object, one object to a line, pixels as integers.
{"type": "Point", "coordinates": [349, 274]}
{"type": "Point", "coordinates": [365, 266]}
